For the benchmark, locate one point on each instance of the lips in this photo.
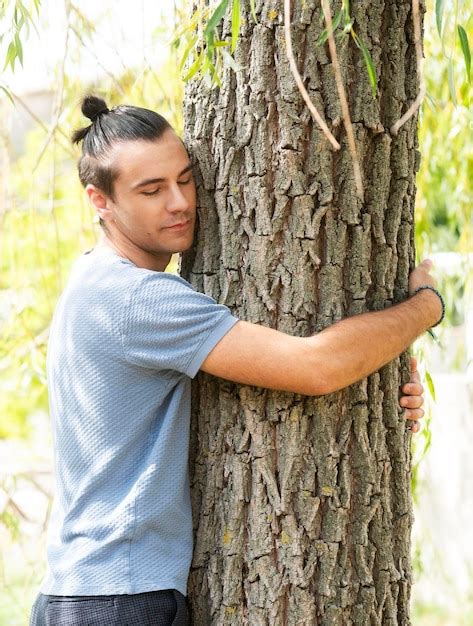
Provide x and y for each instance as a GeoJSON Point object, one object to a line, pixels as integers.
{"type": "Point", "coordinates": [179, 225]}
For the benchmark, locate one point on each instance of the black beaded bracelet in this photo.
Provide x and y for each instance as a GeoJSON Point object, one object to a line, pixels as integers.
{"type": "Point", "coordinates": [441, 300]}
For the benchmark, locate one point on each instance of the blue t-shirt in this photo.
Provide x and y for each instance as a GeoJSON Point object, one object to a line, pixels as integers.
{"type": "Point", "coordinates": [124, 344]}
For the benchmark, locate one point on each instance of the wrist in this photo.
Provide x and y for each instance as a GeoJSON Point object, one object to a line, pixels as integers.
{"type": "Point", "coordinates": [434, 301]}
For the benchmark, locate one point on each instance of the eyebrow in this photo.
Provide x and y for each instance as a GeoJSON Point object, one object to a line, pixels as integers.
{"type": "Point", "coordinates": [150, 181]}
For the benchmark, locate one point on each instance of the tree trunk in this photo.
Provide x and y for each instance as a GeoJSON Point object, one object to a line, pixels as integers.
{"type": "Point", "coordinates": [302, 507]}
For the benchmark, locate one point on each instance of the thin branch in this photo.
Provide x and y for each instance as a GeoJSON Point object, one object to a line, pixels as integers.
{"type": "Point", "coordinates": [418, 45]}
{"type": "Point", "coordinates": [59, 98]}
{"type": "Point", "coordinates": [52, 211]}
{"type": "Point", "coordinates": [41, 124]}
{"type": "Point", "coordinates": [343, 100]}
{"type": "Point", "coordinates": [30, 476]}
{"type": "Point", "coordinates": [12, 504]}
{"type": "Point", "coordinates": [298, 79]}
{"type": "Point", "coordinates": [99, 63]}
{"type": "Point", "coordinates": [48, 515]}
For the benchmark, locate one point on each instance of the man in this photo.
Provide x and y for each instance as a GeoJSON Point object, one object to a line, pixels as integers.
{"type": "Point", "coordinates": [126, 340]}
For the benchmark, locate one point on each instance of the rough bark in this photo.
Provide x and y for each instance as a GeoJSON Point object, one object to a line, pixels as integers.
{"type": "Point", "coordinates": [302, 507]}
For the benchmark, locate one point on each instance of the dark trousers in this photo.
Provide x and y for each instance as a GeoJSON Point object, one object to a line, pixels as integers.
{"type": "Point", "coordinates": [153, 608]}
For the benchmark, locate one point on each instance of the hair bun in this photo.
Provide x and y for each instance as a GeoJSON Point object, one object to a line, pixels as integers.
{"type": "Point", "coordinates": [92, 107]}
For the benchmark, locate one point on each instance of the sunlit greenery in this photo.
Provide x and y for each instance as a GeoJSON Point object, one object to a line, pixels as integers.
{"type": "Point", "coordinates": [47, 224]}
{"type": "Point", "coordinates": [444, 215]}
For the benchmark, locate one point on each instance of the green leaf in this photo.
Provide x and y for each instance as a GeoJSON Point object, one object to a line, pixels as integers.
{"type": "Point", "coordinates": [209, 49]}
{"type": "Point", "coordinates": [235, 23]}
{"type": "Point", "coordinates": [7, 93]}
{"type": "Point", "coordinates": [324, 34]}
{"type": "Point", "coordinates": [229, 60]}
{"type": "Point", "coordinates": [451, 82]}
{"type": "Point", "coordinates": [430, 384]}
{"type": "Point", "coordinates": [465, 49]}
{"type": "Point", "coordinates": [185, 32]}
{"type": "Point", "coordinates": [347, 27]}
{"type": "Point", "coordinates": [25, 19]}
{"type": "Point", "coordinates": [10, 56]}
{"type": "Point", "coordinates": [210, 73]}
{"type": "Point", "coordinates": [22, 22]}
{"type": "Point", "coordinates": [19, 48]}
{"type": "Point", "coordinates": [206, 72]}
{"type": "Point", "coordinates": [216, 17]}
{"type": "Point", "coordinates": [189, 47]}
{"type": "Point", "coordinates": [439, 5]}
{"type": "Point", "coordinates": [11, 523]}
{"type": "Point", "coordinates": [346, 8]}
{"type": "Point", "coordinates": [431, 101]}
{"type": "Point", "coordinates": [369, 65]}
{"type": "Point", "coordinates": [194, 68]}
{"type": "Point", "coordinates": [253, 11]}
{"type": "Point", "coordinates": [205, 65]}
{"type": "Point", "coordinates": [215, 75]}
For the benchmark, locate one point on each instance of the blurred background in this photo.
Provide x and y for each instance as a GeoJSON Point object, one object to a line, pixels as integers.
{"type": "Point", "coordinates": [124, 51]}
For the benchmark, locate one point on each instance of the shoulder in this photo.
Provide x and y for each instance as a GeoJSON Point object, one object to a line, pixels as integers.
{"type": "Point", "coordinates": [150, 282]}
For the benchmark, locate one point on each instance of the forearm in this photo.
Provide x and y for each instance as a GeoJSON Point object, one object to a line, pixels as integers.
{"type": "Point", "coordinates": [357, 346]}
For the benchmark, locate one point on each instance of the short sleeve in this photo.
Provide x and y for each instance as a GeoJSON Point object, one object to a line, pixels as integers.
{"type": "Point", "coordinates": [169, 325]}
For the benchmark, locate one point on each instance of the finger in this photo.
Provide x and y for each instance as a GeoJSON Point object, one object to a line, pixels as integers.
{"type": "Point", "coordinates": [414, 427]}
{"type": "Point", "coordinates": [413, 389]}
{"type": "Point", "coordinates": [411, 402]}
{"type": "Point", "coordinates": [413, 364]}
{"type": "Point", "coordinates": [428, 263]}
{"type": "Point", "coordinates": [414, 414]}
{"type": "Point", "coordinates": [415, 376]}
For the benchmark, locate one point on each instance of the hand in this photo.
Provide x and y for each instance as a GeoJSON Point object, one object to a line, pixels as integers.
{"type": "Point", "coordinates": [420, 275]}
{"type": "Point", "coordinates": [431, 302]}
{"type": "Point", "coordinates": [412, 398]}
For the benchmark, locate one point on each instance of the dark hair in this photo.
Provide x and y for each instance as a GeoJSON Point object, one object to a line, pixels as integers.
{"type": "Point", "coordinates": [109, 126]}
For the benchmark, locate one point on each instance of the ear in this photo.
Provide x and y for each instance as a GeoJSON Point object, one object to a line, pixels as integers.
{"type": "Point", "coordinates": [100, 202]}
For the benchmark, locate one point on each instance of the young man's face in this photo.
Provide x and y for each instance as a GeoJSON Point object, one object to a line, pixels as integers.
{"type": "Point", "coordinates": [154, 197]}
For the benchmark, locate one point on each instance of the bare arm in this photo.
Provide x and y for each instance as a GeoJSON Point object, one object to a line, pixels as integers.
{"type": "Point", "coordinates": [341, 354]}
{"type": "Point", "coordinates": [358, 346]}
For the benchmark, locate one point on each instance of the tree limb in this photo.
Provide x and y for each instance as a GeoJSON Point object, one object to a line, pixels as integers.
{"type": "Point", "coordinates": [343, 100]}
{"type": "Point", "coordinates": [418, 45]}
{"type": "Point", "coordinates": [298, 79]}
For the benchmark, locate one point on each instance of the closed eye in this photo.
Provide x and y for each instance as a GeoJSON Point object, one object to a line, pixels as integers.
{"type": "Point", "coordinates": [156, 191]}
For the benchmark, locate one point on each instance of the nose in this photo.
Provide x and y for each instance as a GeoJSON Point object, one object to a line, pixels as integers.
{"type": "Point", "coordinates": [177, 200]}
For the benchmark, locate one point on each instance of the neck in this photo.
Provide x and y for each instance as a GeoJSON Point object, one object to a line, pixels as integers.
{"type": "Point", "coordinates": [127, 249]}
